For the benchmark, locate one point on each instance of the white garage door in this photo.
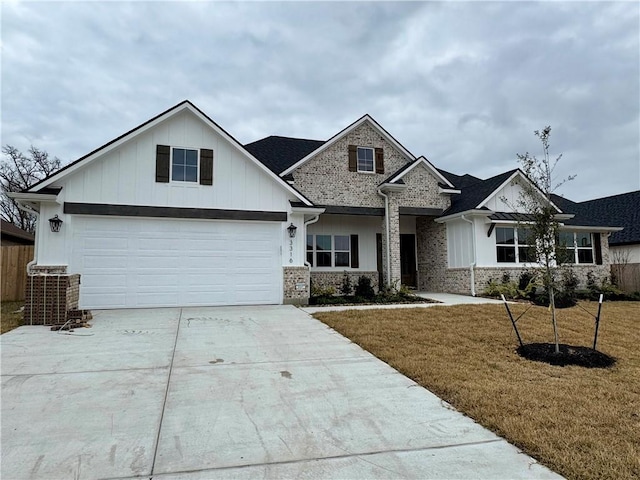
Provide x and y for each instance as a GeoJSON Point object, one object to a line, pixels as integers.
{"type": "Point", "coordinates": [162, 263]}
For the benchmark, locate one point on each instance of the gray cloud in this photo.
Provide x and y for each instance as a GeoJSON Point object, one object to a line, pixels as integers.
{"type": "Point", "coordinates": [465, 84]}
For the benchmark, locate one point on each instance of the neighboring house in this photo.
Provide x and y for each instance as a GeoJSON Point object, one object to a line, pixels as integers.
{"type": "Point", "coordinates": [12, 235]}
{"type": "Point", "coordinates": [176, 212]}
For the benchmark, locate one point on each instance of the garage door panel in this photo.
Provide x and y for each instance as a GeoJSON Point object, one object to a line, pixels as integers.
{"type": "Point", "coordinates": [150, 262]}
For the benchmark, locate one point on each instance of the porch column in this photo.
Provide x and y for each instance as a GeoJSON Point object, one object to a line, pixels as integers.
{"type": "Point", "coordinates": [392, 272]}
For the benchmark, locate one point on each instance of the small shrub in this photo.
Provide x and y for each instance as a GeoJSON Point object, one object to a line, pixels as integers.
{"type": "Point", "coordinates": [495, 289]}
{"type": "Point", "coordinates": [364, 288]}
{"type": "Point", "coordinates": [346, 288]}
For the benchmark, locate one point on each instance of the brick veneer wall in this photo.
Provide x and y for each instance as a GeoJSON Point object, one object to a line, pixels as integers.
{"type": "Point", "coordinates": [334, 279]}
{"type": "Point", "coordinates": [326, 179]}
{"type": "Point", "coordinates": [50, 297]}
{"type": "Point", "coordinates": [294, 276]}
{"type": "Point", "coordinates": [431, 238]}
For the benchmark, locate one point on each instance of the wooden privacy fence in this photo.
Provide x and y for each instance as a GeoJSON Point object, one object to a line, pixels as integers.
{"type": "Point", "coordinates": [627, 276]}
{"type": "Point", "coordinates": [14, 271]}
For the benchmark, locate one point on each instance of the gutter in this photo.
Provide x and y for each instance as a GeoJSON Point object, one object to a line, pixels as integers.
{"type": "Point", "coordinates": [472, 265]}
{"type": "Point", "coordinates": [32, 211]}
{"type": "Point", "coordinates": [311, 221]}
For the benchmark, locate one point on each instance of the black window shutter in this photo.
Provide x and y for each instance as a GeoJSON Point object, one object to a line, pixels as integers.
{"type": "Point", "coordinates": [162, 163]}
{"type": "Point", "coordinates": [598, 245]}
{"type": "Point", "coordinates": [355, 260]}
{"type": "Point", "coordinates": [379, 160]}
{"type": "Point", "coordinates": [206, 166]}
{"type": "Point", "coordinates": [353, 158]}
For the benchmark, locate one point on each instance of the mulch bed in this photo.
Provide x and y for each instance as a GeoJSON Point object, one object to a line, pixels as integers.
{"type": "Point", "coordinates": [569, 355]}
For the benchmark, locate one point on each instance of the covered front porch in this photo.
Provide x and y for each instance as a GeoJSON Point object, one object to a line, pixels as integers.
{"type": "Point", "coordinates": [355, 244]}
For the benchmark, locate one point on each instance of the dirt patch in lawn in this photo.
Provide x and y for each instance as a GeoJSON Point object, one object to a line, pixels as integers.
{"type": "Point", "coordinates": [583, 423]}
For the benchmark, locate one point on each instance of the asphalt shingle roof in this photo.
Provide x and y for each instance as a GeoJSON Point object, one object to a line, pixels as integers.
{"type": "Point", "coordinates": [474, 192]}
{"type": "Point", "coordinates": [621, 210]}
{"type": "Point", "coordinates": [279, 153]}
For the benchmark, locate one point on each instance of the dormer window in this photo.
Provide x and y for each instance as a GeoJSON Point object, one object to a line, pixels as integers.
{"type": "Point", "coordinates": [365, 159]}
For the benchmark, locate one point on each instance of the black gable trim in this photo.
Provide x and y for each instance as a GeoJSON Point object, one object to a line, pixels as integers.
{"type": "Point", "coordinates": [171, 212]}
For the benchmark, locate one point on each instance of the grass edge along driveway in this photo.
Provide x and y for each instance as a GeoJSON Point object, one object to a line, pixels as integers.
{"type": "Point", "coordinates": [582, 423]}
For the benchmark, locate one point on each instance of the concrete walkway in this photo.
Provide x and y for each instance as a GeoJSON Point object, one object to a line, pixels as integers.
{"type": "Point", "coordinates": [233, 392]}
{"type": "Point", "coordinates": [441, 298]}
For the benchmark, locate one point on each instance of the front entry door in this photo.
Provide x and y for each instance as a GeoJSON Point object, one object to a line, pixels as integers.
{"type": "Point", "coordinates": [408, 260]}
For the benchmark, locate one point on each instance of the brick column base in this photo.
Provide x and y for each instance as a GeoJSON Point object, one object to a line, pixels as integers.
{"type": "Point", "coordinates": [49, 298]}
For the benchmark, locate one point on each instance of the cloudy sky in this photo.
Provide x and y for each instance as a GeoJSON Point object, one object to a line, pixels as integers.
{"type": "Point", "coordinates": [463, 83]}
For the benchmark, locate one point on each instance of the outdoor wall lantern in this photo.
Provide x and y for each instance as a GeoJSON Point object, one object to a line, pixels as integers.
{"type": "Point", "coordinates": [292, 230]}
{"type": "Point", "coordinates": [55, 223]}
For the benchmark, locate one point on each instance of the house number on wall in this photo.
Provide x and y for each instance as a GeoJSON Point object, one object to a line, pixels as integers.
{"type": "Point", "coordinates": [290, 251]}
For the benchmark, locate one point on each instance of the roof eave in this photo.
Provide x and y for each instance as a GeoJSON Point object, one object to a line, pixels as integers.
{"type": "Point", "coordinates": [473, 212]}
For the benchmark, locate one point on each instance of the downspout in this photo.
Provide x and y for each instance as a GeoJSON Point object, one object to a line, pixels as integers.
{"type": "Point", "coordinates": [306, 224]}
{"type": "Point", "coordinates": [32, 211]}
{"type": "Point", "coordinates": [388, 235]}
{"type": "Point", "coordinates": [472, 265]}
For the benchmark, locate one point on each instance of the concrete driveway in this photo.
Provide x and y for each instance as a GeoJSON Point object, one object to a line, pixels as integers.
{"type": "Point", "coordinates": [231, 392]}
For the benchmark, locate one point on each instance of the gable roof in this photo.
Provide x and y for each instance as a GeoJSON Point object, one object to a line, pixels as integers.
{"type": "Point", "coordinates": [345, 131]}
{"type": "Point", "coordinates": [185, 105]}
{"type": "Point", "coordinates": [620, 210]}
{"type": "Point", "coordinates": [475, 193]}
{"type": "Point", "coordinates": [460, 181]}
{"type": "Point", "coordinates": [279, 153]}
{"type": "Point", "coordinates": [11, 231]}
{"type": "Point", "coordinates": [396, 177]}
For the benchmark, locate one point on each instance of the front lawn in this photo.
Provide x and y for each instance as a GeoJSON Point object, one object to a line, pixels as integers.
{"type": "Point", "coordinates": [11, 316]}
{"type": "Point", "coordinates": [582, 423]}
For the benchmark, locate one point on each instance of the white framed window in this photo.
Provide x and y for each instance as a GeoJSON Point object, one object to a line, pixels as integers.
{"type": "Point", "coordinates": [184, 165]}
{"type": "Point", "coordinates": [366, 159]}
{"type": "Point", "coordinates": [329, 250]}
{"type": "Point", "coordinates": [575, 247]}
{"type": "Point", "coordinates": [514, 245]}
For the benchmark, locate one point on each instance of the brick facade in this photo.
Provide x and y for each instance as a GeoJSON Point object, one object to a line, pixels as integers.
{"type": "Point", "coordinates": [431, 238]}
{"type": "Point", "coordinates": [326, 179]}
{"type": "Point", "coordinates": [50, 298]}
{"type": "Point", "coordinates": [297, 286]}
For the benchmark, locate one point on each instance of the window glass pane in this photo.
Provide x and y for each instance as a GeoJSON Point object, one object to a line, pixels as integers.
{"type": "Point", "coordinates": [566, 239]}
{"type": "Point", "coordinates": [565, 255]}
{"type": "Point", "coordinates": [526, 254]}
{"type": "Point", "coordinates": [583, 239]}
{"type": "Point", "coordinates": [191, 174]}
{"type": "Point", "coordinates": [342, 242]}
{"type": "Point", "coordinates": [177, 173]}
{"type": "Point", "coordinates": [506, 254]}
{"type": "Point", "coordinates": [342, 259]}
{"type": "Point", "coordinates": [323, 259]}
{"type": "Point", "coordinates": [191, 158]}
{"type": "Point", "coordinates": [505, 236]}
{"type": "Point", "coordinates": [323, 242]}
{"type": "Point", "coordinates": [585, 255]}
{"type": "Point", "coordinates": [525, 236]}
{"type": "Point", "coordinates": [178, 156]}
{"type": "Point", "coordinates": [309, 242]}
{"type": "Point", "coordinates": [310, 258]}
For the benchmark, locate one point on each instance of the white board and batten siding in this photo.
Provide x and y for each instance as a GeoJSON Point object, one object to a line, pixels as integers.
{"type": "Point", "coordinates": [126, 175]}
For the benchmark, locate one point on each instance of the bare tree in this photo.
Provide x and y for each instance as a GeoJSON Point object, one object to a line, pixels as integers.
{"type": "Point", "coordinates": [19, 172]}
{"type": "Point", "coordinates": [535, 200]}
